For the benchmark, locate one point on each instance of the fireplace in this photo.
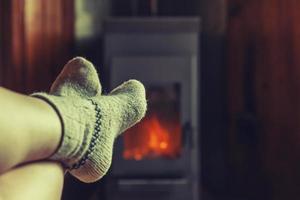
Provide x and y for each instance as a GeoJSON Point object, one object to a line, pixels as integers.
{"type": "Point", "coordinates": [159, 134]}
{"type": "Point", "coordinates": [158, 158]}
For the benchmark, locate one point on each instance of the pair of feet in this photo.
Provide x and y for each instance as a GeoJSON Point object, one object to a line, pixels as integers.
{"type": "Point", "coordinates": [91, 121]}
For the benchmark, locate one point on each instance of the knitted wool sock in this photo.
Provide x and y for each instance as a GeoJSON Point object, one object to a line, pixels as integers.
{"type": "Point", "coordinates": [91, 121]}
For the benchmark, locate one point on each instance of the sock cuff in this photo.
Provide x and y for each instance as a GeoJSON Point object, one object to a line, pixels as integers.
{"type": "Point", "coordinates": [77, 116]}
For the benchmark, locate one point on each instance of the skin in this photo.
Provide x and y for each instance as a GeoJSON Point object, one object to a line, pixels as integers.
{"type": "Point", "coordinates": [38, 180]}
{"type": "Point", "coordinates": [30, 131]}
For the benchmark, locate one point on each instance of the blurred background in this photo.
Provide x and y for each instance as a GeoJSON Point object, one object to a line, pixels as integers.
{"type": "Point", "coordinates": [223, 85]}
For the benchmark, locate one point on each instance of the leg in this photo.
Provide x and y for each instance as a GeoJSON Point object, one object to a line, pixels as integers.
{"type": "Point", "coordinates": [29, 129]}
{"type": "Point", "coordinates": [40, 180]}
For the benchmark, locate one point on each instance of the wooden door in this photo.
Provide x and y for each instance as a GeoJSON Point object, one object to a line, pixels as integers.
{"type": "Point", "coordinates": [264, 94]}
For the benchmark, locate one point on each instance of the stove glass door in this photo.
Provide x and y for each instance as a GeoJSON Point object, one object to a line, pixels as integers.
{"type": "Point", "coordinates": [159, 134]}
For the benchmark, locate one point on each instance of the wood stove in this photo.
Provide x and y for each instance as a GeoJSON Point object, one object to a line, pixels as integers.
{"type": "Point", "coordinates": [158, 158]}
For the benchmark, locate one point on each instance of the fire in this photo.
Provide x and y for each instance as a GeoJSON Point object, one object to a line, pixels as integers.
{"type": "Point", "coordinates": [153, 138]}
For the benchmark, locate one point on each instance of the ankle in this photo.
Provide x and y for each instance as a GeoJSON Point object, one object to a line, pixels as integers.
{"type": "Point", "coordinates": [45, 136]}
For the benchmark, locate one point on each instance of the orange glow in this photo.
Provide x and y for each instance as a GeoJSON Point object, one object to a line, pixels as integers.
{"type": "Point", "coordinates": [163, 145]}
{"type": "Point", "coordinates": [152, 138]}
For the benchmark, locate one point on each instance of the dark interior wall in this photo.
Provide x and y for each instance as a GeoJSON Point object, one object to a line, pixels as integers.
{"type": "Point", "coordinates": [214, 135]}
{"type": "Point", "coordinates": [165, 7]}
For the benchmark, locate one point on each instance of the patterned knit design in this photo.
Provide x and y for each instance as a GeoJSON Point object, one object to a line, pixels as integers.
{"type": "Point", "coordinates": [91, 121]}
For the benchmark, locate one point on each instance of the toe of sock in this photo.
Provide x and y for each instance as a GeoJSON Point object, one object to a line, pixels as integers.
{"type": "Point", "coordinates": [78, 76]}
{"type": "Point", "coordinates": [131, 86]}
{"type": "Point", "coordinates": [132, 94]}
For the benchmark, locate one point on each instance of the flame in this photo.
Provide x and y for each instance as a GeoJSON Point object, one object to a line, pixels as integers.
{"type": "Point", "coordinates": [153, 138]}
